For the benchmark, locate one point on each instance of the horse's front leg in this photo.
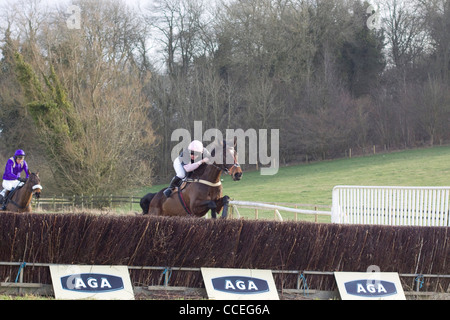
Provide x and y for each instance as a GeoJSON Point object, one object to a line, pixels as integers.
{"type": "Point", "coordinates": [213, 207]}
{"type": "Point", "coordinates": [216, 206]}
{"type": "Point", "coordinates": [223, 203]}
{"type": "Point", "coordinates": [203, 207]}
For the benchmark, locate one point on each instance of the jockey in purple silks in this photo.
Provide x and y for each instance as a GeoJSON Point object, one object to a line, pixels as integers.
{"type": "Point", "coordinates": [184, 164]}
{"type": "Point", "coordinates": [11, 178]}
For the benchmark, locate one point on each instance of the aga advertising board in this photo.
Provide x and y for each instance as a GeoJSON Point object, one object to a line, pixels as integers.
{"type": "Point", "coordinates": [239, 284]}
{"type": "Point", "coordinates": [369, 286]}
{"type": "Point", "coordinates": [91, 282]}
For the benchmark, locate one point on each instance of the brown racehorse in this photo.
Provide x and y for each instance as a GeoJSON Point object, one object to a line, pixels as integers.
{"type": "Point", "coordinates": [201, 193]}
{"type": "Point", "coordinates": [20, 201]}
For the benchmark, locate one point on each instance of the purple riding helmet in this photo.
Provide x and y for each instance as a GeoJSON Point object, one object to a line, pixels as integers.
{"type": "Point", "coordinates": [19, 153]}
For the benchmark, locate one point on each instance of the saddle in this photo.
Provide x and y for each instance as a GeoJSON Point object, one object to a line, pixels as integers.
{"type": "Point", "coordinates": [181, 186]}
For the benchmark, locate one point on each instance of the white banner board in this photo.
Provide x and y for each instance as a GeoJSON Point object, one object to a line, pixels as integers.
{"type": "Point", "coordinates": [369, 286]}
{"type": "Point", "coordinates": [91, 282]}
{"type": "Point", "coordinates": [239, 284]}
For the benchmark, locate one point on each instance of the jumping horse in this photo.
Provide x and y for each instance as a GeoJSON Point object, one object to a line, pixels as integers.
{"type": "Point", "coordinates": [201, 192]}
{"type": "Point", "coordinates": [20, 199]}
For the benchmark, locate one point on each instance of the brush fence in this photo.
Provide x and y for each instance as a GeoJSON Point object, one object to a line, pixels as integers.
{"type": "Point", "coordinates": [64, 238]}
{"type": "Point", "coordinates": [402, 206]}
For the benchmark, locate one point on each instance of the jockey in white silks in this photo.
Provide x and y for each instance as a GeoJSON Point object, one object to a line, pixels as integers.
{"type": "Point", "coordinates": [186, 162]}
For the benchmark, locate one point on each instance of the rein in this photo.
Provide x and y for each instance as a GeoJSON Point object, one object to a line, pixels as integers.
{"type": "Point", "coordinates": [225, 169]}
{"type": "Point", "coordinates": [18, 205]}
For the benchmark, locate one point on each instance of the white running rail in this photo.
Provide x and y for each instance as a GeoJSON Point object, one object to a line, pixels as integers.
{"type": "Point", "coordinates": [276, 208]}
{"type": "Point", "coordinates": [406, 206]}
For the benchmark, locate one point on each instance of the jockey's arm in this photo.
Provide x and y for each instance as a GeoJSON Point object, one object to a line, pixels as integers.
{"type": "Point", "coordinates": [9, 174]}
{"type": "Point", "coordinates": [192, 166]}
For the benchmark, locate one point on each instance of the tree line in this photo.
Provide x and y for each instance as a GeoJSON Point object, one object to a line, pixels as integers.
{"type": "Point", "coordinates": [95, 101]}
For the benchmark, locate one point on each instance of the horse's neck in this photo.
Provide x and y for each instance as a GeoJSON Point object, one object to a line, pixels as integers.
{"type": "Point", "coordinates": [211, 174]}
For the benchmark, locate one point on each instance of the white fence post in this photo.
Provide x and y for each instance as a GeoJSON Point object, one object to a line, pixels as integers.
{"type": "Point", "coordinates": [335, 208]}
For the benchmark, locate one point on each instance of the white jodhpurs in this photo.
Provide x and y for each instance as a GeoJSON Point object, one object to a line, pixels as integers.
{"type": "Point", "coordinates": [8, 185]}
{"type": "Point", "coordinates": [178, 166]}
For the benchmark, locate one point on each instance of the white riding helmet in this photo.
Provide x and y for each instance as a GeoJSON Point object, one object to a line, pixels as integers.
{"type": "Point", "coordinates": [196, 146]}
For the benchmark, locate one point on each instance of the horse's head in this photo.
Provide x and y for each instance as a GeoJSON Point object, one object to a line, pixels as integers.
{"type": "Point", "coordinates": [233, 168]}
{"type": "Point", "coordinates": [35, 183]}
{"type": "Point", "coordinates": [229, 163]}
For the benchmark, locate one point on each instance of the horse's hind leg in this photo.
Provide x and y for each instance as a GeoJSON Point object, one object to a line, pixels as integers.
{"type": "Point", "coordinates": [145, 202]}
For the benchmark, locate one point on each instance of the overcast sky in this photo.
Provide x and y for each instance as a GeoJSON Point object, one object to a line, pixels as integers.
{"type": "Point", "coordinates": [68, 2]}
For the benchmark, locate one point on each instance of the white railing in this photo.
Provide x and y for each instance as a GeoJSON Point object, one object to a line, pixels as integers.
{"type": "Point", "coordinates": [275, 208]}
{"type": "Point", "coordinates": [408, 206]}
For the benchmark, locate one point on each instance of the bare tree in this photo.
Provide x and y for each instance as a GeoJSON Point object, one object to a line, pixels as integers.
{"type": "Point", "coordinates": [434, 107]}
{"type": "Point", "coordinates": [180, 28]}
{"type": "Point", "coordinates": [404, 29]}
{"type": "Point", "coordinates": [437, 19]}
{"type": "Point", "coordinates": [88, 102]}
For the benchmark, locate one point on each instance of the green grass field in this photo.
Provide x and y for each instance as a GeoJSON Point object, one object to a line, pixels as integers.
{"type": "Point", "coordinates": [313, 183]}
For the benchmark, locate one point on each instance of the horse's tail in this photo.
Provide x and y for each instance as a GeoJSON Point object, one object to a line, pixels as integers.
{"type": "Point", "coordinates": [145, 202]}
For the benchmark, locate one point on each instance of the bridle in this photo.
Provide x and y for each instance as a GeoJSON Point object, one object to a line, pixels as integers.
{"type": "Point", "coordinates": [226, 170]}
{"type": "Point", "coordinates": [233, 167]}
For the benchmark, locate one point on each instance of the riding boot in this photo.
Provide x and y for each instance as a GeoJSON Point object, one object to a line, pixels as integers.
{"type": "Point", "coordinates": [5, 198]}
{"type": "Point", "coordinates": [2, 199]}
{"type": "Point", "coordinates": [174, 183]}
